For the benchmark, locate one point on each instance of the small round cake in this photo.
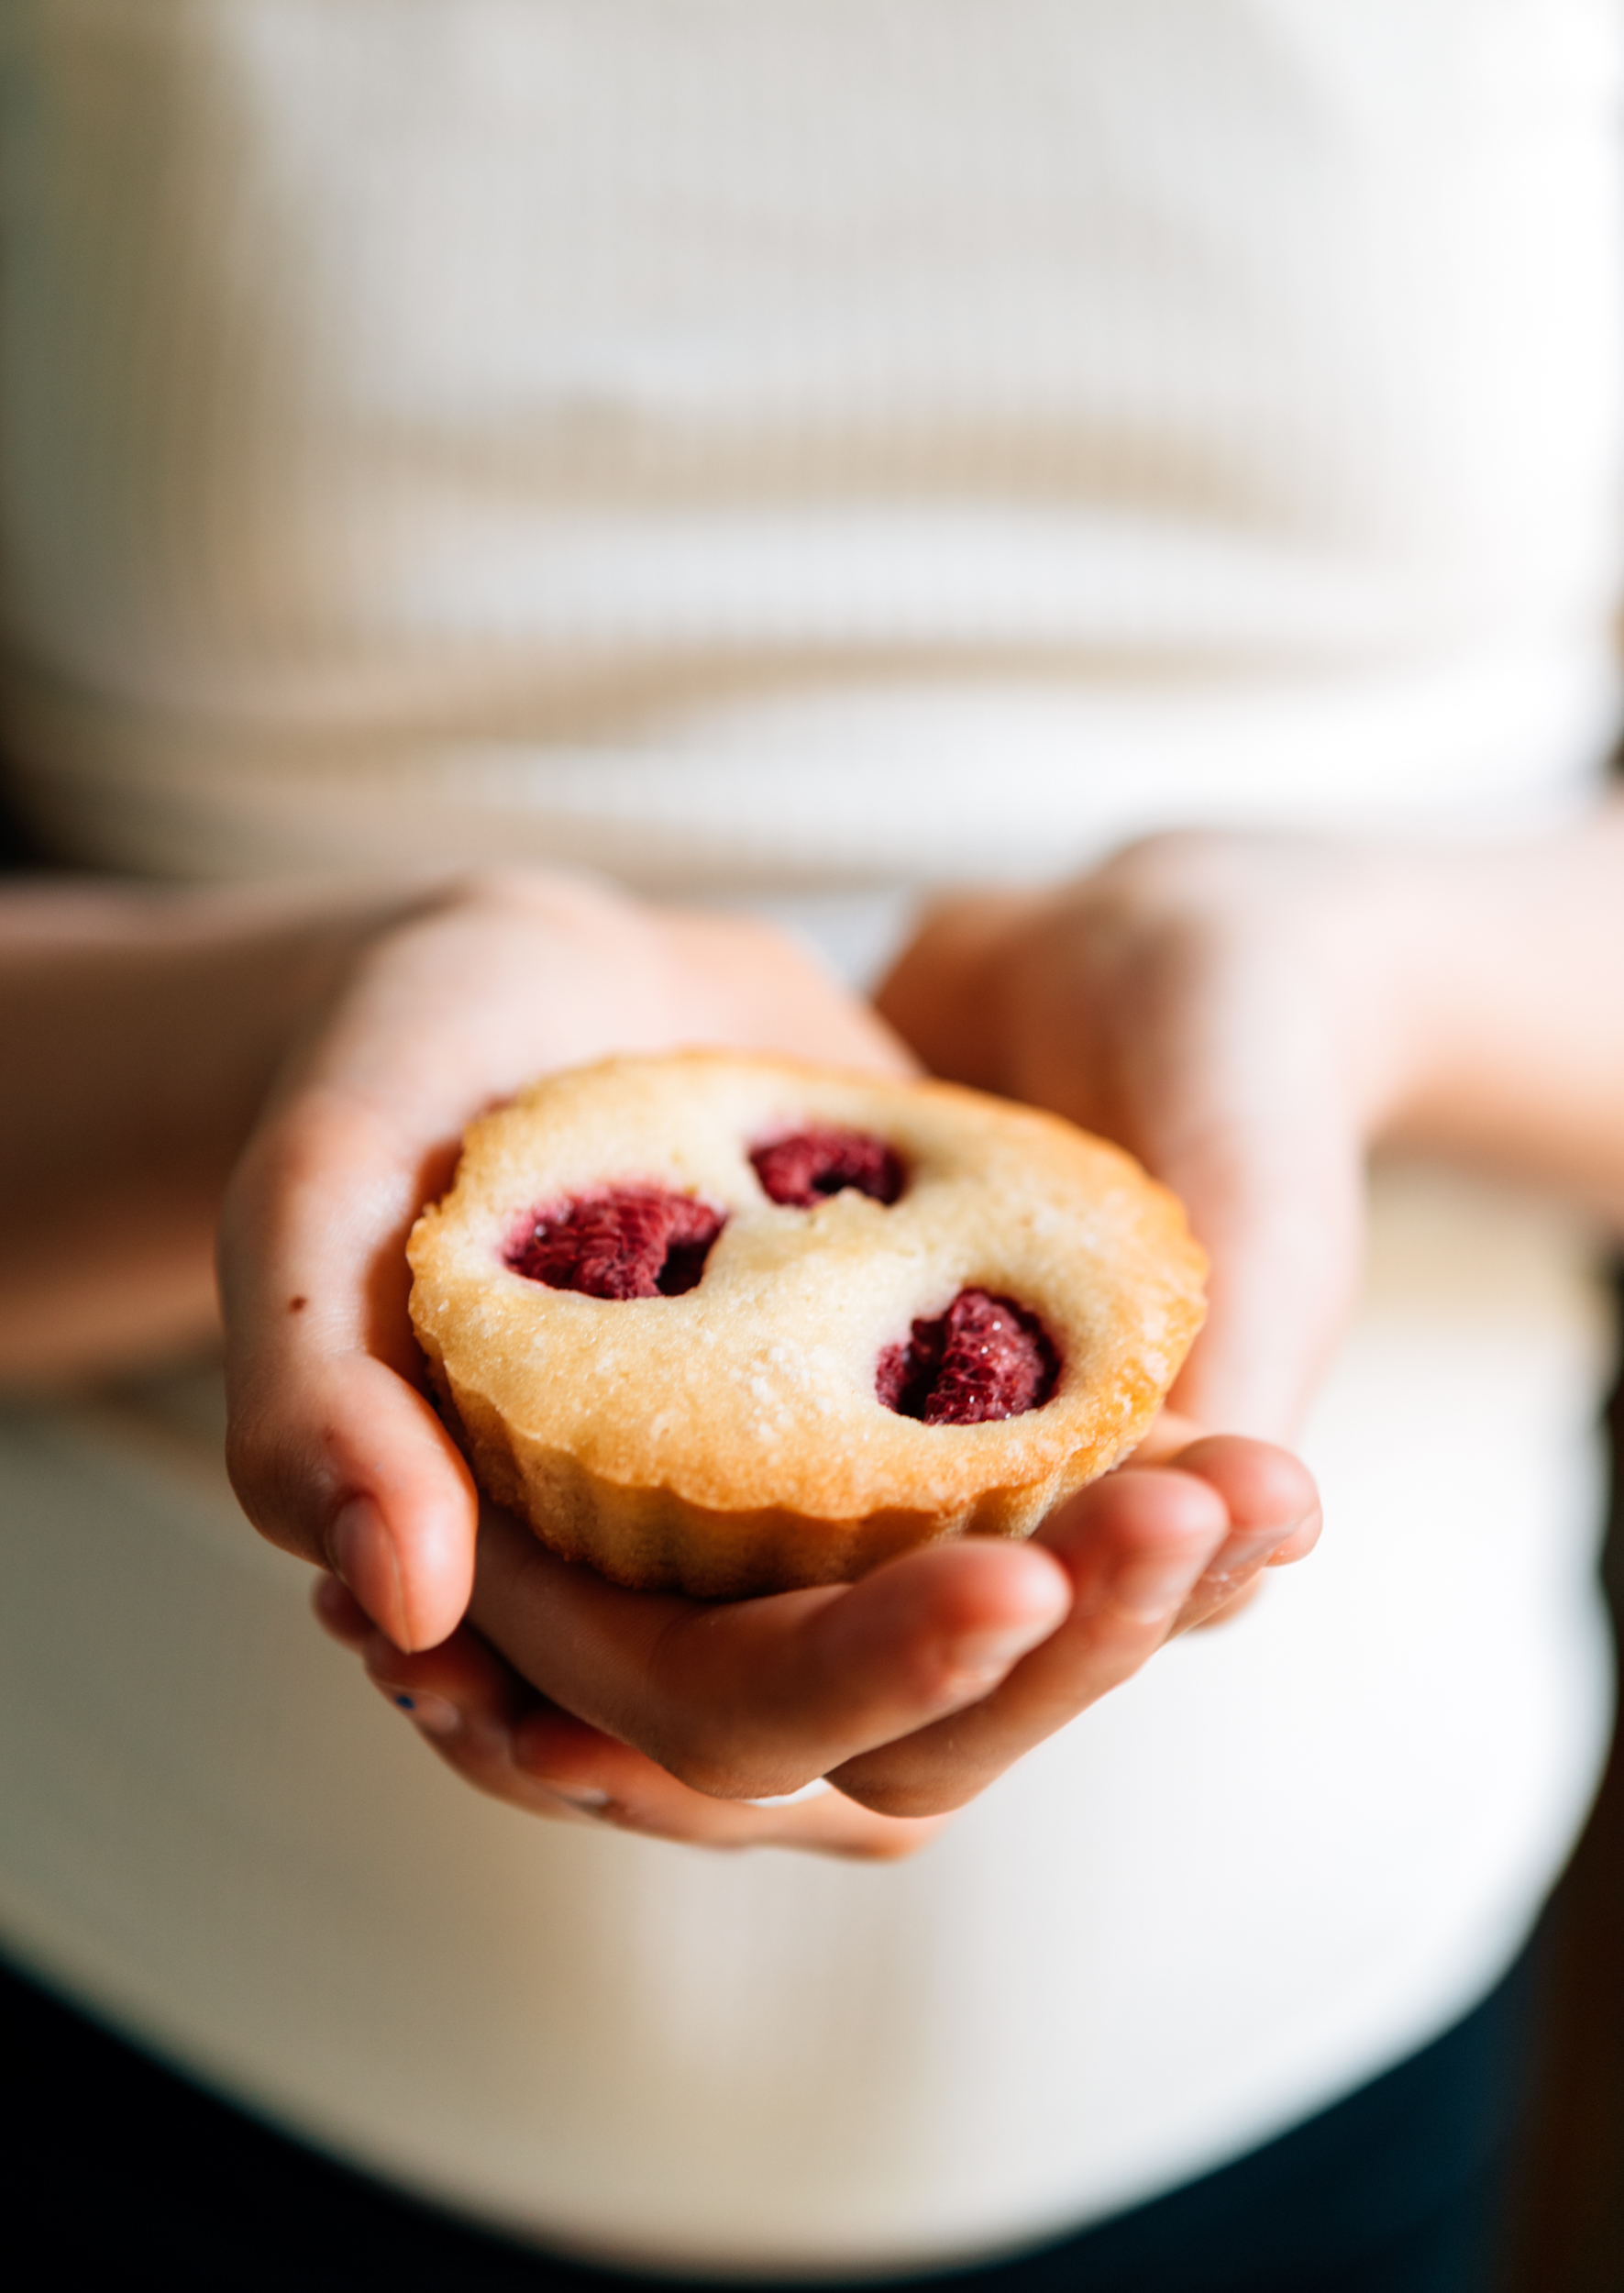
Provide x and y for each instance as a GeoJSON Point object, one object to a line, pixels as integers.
{"type": "Point", "coordinates": [728, 1325]}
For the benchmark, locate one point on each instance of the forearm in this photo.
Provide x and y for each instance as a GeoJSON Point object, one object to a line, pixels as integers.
{"type": "Point", "coordinates": [1469, 1005]}
{"type": "Point", "coordinates": [1499, 979]}
{"type": "Point", "coordinates": [138, 1032]}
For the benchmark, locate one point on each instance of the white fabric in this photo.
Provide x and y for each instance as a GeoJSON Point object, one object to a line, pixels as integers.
{"type": "Point", "coordinates": [812, 450]}
{"type": "Point", "coordinates": [741, 443]}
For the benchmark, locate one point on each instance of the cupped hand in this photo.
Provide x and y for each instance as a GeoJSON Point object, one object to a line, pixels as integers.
{"type": "Point", "coordinates": [1219, 1006]}
{"type": "Point", "coordinates": [334, 1447]}
{"type": "Point", "coordinates": [910, 1691]}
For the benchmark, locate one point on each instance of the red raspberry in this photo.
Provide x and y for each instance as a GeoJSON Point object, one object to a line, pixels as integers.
{"type": "Point", "coordinates": [986, 1358]}
{"type": "Point", "coordinates": [804, 1169]}
{"type": "Point", "coordinates": [626, 1242]}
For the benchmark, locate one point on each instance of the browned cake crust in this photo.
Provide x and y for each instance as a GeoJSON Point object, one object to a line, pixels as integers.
{"type": "Point", "coordinates": [729, 1441]}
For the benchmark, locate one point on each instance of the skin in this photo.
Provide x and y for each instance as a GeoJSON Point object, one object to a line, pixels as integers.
{"type": "Point", "coordinates": [1251, 1017]}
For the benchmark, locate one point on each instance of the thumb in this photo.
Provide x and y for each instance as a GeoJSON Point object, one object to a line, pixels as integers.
{"type": "Point", "coordinates": [334, 1453]}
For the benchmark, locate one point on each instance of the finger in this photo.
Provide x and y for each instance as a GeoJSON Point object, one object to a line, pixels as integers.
{"type": "Point", "coordinates": [1228, 1609]}
{"type": "Point", "coordinates": [620, 1785]}
{"type": "Point", "coordinates": [945, 995]}
{"type": "Point", "coordinates": [491, 1728]}
{"type": "Point", "coordinates": [466, 1704]}
{"type": "Point", "coordinates": [1275, 1515]}
{"type": "Point", "coordinates": [1134, 1545]}
{"type": "Point", "coordinates": [334, 1454]}
{"type": "Point", "coordinates": [1140, 1545]}
{"type": "Point", "coordinates": [752, 985]}
{"type": "Point", "coordinates": [756, 1697]}
{"type": "Point", "coordinates": [1274, 1518]}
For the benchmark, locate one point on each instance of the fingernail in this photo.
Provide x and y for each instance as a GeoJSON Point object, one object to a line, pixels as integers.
{"type": "Point", "coordinates": [1153, 1587]}
{"type": "Point", "coordinates": [432, 1713]}
{"type": "Point", "coordinates": [361, 1548]}
{"type": "Point", "coordinates": [582, 1795]}
{"type": "Point", "coordinates": [1246, 1552]}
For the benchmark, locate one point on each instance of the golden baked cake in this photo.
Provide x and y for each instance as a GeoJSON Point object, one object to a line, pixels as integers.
{"type": "Point", "coordinates": [727, 1325]}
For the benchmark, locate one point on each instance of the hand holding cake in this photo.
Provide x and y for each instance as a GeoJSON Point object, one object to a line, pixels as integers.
{"type": "Point", "coordinates": [671, 1713]}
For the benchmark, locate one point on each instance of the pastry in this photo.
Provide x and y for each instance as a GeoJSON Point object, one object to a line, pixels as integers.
{"type": "Point", "coordinates": [726, 1325]}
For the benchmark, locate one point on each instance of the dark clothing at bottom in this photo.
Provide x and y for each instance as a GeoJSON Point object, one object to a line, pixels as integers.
{"type": "Point", "coordinates": [115, 2164]}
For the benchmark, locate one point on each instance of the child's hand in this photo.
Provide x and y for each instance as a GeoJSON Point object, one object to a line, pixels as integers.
{"type": "Point", "coordinates": [1223, 1007]}
{"type": "Point", "coordinates": [911, 1690]}
{"type": "Point", "coordinates": [333, 1448]}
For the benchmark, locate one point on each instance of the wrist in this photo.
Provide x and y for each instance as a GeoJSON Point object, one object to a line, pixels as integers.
{"type": "Point", "coordinates": [1503, 964]}
{"type": "Point", "coordinates": [1380, 923]}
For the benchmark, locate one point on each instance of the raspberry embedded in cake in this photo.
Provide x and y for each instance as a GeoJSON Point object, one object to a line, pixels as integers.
{"type": "Point", "coordinates": [808, 1167]}
{"type": "Point", "coordinates": [984, 1359]}
{"type": "Point", "coordinates": [625, 1242]}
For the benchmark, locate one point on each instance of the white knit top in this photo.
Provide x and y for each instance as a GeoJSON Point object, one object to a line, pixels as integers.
{"type": "Point", "coordinates": [806, 449]}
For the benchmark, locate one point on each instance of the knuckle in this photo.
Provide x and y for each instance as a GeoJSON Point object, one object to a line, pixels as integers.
{"type": "Point", "coordinates": [246, 1464]}
{"type": "Point", "coordinates": [494, 884]}
{"type": "Point", "coordinates": [902, 1801]}
{"type": "Point", "coordinates": [702, 1750]}
{"type": "Point", "coordinates": [531, 891]}
{"type": "Point", "coordinates": [269, 1484]}
{"type": "Point", "coordinates": [1188, 864]}
{"type": "Point", "coordinates": [1186, 897]}
{"type": "Point", "coordinates": [490, 883]}
{"type": "Point", "coordinates": [708, 1768]}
